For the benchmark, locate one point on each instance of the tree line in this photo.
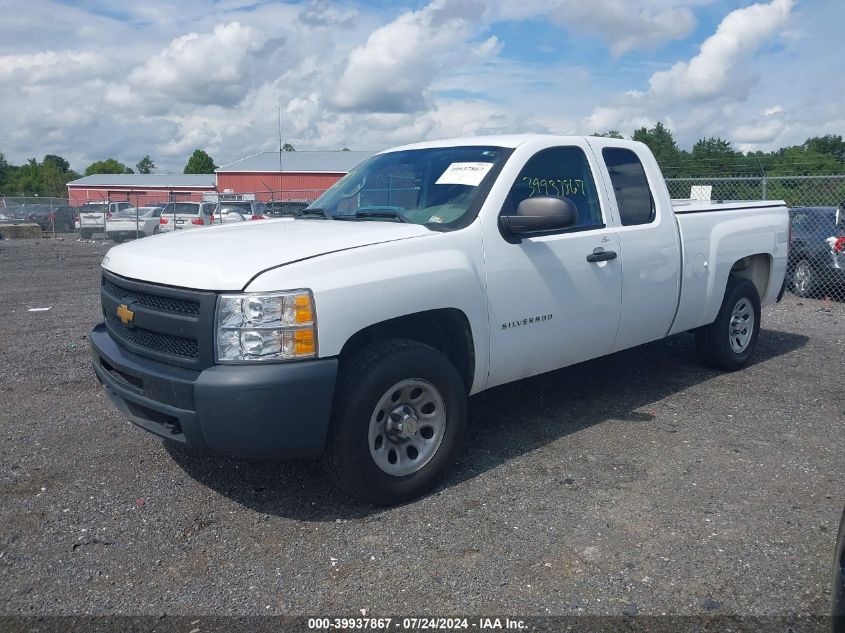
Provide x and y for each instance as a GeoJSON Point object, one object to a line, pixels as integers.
{"type": "Point", "coordinates": [712, 156]}
{"type": "Point", "coordinates": [49, 177]}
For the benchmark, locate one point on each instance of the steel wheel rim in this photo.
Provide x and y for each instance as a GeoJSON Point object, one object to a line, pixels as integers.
{"type": "Point", "coordinates": [741, 326]}
{"type": "Point", "coordinates": [407, 427]}
{"type": "Point", "coordinates": [801, 278]}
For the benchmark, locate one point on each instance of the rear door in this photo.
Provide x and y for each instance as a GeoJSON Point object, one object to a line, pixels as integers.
{"type": "Point", "coordinates": [93, 215]}
{"type": "Point", "coordinates": [549, 306]}
{"type": "Point", "coordinates": [649, 239]}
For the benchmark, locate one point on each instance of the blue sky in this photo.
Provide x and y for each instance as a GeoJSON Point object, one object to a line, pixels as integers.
{"type": "Point", "coordinates": [90, 80]}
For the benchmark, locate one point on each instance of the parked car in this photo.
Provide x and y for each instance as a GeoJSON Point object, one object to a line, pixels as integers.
{"type": "Point", "coordinates": [238, 211]}
{"type": "Point", "coordinates": [48, 217]}
{"type": "Point", "coordinates": [284, 208]}
{"type": "Point", "coordinates": [817, 250]}
{"type": "Point", "coordinates": [358, 329]}
{"type": "Point", "coordinates": [133, 222]}
{"type": "Point", "coordinates": [93, 216]}
{"type": "Point", "coordinates": [177, 216]}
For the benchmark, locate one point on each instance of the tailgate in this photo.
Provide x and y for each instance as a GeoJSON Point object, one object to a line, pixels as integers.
{"type": "Point", "coordinates": [92, 218]}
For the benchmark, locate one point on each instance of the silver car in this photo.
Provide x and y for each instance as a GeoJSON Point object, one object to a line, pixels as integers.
{"type": "Point", "coordinates": [133, 222]}
{"type": "Point", "coordinates": [228, 212]}
{"type": "Point", "coordinates": [178, 216]}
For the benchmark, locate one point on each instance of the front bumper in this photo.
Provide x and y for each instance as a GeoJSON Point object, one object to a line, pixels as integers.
{"type": "Point", "coordinates": [277, 410]}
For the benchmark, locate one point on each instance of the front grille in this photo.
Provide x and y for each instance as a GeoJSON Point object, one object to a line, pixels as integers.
{"type": "Point", "coordinates": [172, 325]}
{"type": "Point", "coordinates": [157, 302]}
{"type": "Point", "coordinates": [156, 341]}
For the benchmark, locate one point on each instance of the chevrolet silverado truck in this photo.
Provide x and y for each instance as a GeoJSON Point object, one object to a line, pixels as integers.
{"type": "Point", "coordinates": [429, 273]}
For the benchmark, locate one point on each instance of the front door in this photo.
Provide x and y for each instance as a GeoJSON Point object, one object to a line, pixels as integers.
{"type": "Point", "coordinates": [549, 306]}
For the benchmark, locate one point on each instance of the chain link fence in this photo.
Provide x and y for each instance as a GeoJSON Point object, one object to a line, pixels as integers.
{"type": "Point", "coordinates": [816, 265]}
{"type": "Point", "coordinates": [53, 215]}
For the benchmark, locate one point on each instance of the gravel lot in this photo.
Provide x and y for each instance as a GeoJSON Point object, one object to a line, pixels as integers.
{"type": "Point", "coordinates": [640, 482]}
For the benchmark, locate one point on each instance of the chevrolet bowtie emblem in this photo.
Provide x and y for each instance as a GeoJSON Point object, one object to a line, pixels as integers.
{"type": "Point", "coordinates": [125, 314]}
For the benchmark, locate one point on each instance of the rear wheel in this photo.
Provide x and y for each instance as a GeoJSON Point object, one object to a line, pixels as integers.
{"type": "Point", "coordinates": [729, 341]}
{"type": "Point", "coordinates": [804, 279]}
{"type": "Point", "coordinates": [399, 414]}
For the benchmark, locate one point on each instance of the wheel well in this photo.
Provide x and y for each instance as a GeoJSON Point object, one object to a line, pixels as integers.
{"type": "Point", "coordinates": [446, 330]}
{"type": "Point", "coordinates": [757, 269]}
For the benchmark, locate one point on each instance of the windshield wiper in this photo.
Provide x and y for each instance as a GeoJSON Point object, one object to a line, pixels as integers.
{"type": "Point", "coordinates": [314, 211]}
{"type": "Point", "coordinates": [382, 212]}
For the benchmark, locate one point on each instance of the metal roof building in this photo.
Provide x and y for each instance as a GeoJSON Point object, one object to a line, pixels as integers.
{"type": "Point", "coordinates": [303, 176]}
{"type": "Point", "coordinates": [140, 188]}
{"type": "Point", "coordinates": [297, 162]}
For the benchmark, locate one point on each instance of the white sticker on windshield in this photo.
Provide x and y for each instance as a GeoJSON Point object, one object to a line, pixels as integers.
{"type": "Point", "coordinates": [464, 174]}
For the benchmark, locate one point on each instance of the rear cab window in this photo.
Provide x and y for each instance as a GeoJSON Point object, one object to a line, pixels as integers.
{"type": "Point", "coordinates": [630, 186]}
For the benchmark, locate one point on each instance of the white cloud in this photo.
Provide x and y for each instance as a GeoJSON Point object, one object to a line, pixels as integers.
{"type": "Point", "coordinates": [48, 65]}
{"type": "Point", "coordinates": [701, 93]}
{"type": "Point", "coordinates": [764, 132]}
{"type": "Point", "coordinates": [707, 74]}
{"type": "Point", "coordinates": [393, 70]}
{"type": "Point", "coordinates": [623, 24]}
{"type": "Point", "coordinates": [202, 68]}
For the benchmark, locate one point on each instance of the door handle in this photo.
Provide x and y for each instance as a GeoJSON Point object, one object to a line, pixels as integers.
{"type": "Point", "coordinates": [601, 256]}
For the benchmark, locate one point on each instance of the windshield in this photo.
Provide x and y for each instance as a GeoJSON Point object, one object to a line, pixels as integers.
{"type": "Point", "coordinates": [182, 208]}
{"type": "Point", "coordinates": [824, 221]}
{"type": "Point", "coordinates": [238, 207]}
{"type": "Point", "coordinates": [435, 186]}
{"type": "Point", "coordinates": [282, 208]}
{"type": "Point", "coordinates": [130, 212]}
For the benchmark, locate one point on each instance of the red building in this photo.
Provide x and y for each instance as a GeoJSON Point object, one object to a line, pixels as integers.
{"type": "Point", "coordinates": [287, 175]}
{"type": "Point", "coordinates": [140, 189]}
{"type": "Point", "coordinates": [303, 176]}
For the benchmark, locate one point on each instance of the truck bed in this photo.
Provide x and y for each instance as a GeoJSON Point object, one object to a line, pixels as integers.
{"type": "Point", "coordinates": [752, 233]}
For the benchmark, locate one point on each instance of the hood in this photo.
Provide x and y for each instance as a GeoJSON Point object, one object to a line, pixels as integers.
{"type": "Point", "coordinates": [226, 257]}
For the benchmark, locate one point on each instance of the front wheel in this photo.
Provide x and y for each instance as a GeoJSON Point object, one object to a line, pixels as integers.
{"type": "Point", "coordinates": [399, 414]}
{"type": "Point", "coordinates": [729, 341]}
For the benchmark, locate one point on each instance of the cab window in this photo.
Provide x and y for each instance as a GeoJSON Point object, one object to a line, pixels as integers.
{"type": "Point", "coordinates": [633, 196]}
{"type": "Point", "coordinates": [559, 172]}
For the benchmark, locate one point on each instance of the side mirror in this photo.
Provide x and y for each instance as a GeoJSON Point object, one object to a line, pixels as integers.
{"type": "Point", "coordinates": [540, 215]}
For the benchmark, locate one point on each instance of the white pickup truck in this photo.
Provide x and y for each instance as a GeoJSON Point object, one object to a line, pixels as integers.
{"type": "Point", "coordinates": [429, 273]}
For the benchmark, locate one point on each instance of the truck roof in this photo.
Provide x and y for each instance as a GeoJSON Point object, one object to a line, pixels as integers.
{"type": "Point", "coordinates": [507, 140]}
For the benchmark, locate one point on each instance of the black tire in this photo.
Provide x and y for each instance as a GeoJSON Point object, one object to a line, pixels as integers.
{"type": "Point", "coordinates": [156, 230]}
{"type": "Point", "coordinates": [363, 382]}
{"type": "Point", "coordinates": [804, 279]}
{"type": "Point", "coordinates": [86, 234]}
{"type": "Point", "coordinates": [713, 342]}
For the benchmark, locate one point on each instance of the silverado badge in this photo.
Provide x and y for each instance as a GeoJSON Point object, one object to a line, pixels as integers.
{"type": "Point", "coordinates": [125, 314]}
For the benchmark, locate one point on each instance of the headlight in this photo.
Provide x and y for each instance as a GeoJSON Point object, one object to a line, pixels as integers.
{"type": "Point", "coordinates": [261, 326]}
